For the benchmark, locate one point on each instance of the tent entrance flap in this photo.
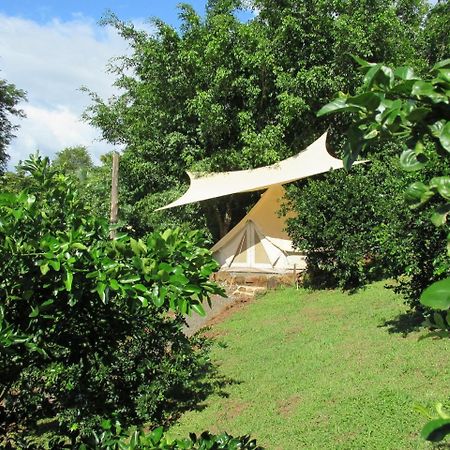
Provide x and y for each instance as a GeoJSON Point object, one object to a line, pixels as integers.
{"type": "Point", "coordinates": [250, 251]}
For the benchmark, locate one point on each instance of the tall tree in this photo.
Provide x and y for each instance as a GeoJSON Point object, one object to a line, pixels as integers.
{"type": "Point", "coordinates": [10, 96]}
{"type": "Point", "coordinates": [73, 159]}
{"type": "Point", "coordinates": [436, 32]}
{"type": "Point", "coordinates": [220, 94]}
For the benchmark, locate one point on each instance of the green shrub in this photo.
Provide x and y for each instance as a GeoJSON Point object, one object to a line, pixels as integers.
{"type": "Point", "coordinates": [357, 226]}
{"type": "Point", "coordinates": [341, 222]}
{"type": "Point", "coordinates": [84, 329]}
{"type": "Point", "coordinates": [112, 436]}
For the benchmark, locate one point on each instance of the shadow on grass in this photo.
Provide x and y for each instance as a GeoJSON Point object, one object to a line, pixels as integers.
{"type": "Point", "coordinates": [404, 323]}
{"type": "Point", "coordinates": [206, 381]}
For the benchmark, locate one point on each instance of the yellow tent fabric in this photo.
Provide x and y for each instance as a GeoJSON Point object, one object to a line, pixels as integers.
{"type": "Point", "coordinates": [259, 241]}
{"type": "Point", "coordinates": [313, 160]}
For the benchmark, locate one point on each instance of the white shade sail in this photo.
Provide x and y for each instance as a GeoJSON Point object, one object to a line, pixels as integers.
{"type": "Point", "coordinates": [314, 160]}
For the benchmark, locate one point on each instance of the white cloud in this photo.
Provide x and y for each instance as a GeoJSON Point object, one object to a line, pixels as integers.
{"type": "Point", "coordinates": [51, 62]}
{"type": "Point", "coordinates": [50, 130]}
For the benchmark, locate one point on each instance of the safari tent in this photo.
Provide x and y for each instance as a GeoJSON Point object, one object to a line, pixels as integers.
{"type": "Point", "coordinates": [259, 241]}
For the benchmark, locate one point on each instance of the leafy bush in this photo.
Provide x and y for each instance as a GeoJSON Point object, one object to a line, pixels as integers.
{"type": "Point", "coordinates": [113, 436]}
{"type": "Point", "coordinates": [84, 329]}
{"type": "Point", "coordinates": [341, 222]}
{"type": "Point", "coordinates": [397, 103]}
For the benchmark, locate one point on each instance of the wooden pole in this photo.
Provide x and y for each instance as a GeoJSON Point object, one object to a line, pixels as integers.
{"type": "Point", "coordinates": [114, 192]}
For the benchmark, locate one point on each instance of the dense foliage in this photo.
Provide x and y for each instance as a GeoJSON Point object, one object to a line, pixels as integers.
{"type": "Point", "coordinates": [346, 221]}
{"type": "Point", "coordinates": [112, 436]}
{"type": "Point", "coordinates": [10, 96]}
{"type": "Point", "coordinates": [84, 330]}
{"type": "Point", "coordinates": [416, 111]}
{"type": "Point", "coordinates": [222, 94]}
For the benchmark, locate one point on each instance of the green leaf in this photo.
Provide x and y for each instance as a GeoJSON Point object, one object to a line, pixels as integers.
{"type": "Point", "coordinates": [415, 192]}
{"type": "Point", "coordinates": [436, 430]}
{"type": "Point", "coordinates": [192, 288]}
{"type": "Point", "coordinates": [55, 264]}
{"type": "Point", "coordinates": [46, 303]}
{"type": "Point", "coordinates": [106, 424]}
{"type": "Point", "coordinates": [130, 279]}
{"type": "Point", "coordinates": [371, 74]}
{"type": "Point", "coordinates": [439, 320]}
{"type": "Point", "coordinates": [101, 291]}
{"type": "Point", "coordinates": [337, 105]}
{"type": "Point", "coordinates": [34, 312]}
{"type": "Point", "coordinates": [404, 87]}
{"type": "Point", "coordinates": [442, 185]}
{"type": "Point", "coordinates": [68, 281]}
{"type": "Point", "coordinates": [437, 127]}
{"type": "Point", "coordinates": [79, 246]}
{"type": "Point", "coordinates": [422, 88]}
{"type": "Point", "coordinates": [178, 279]}
{"type": "Point", "coordinates": [404, 73]}
{"type": "Point", "coordinates": [143, 300]}
{"type": "Point", "coordinates": [44, 268]}
{"type": "Point", "coordinates": [368, 100]}
{"type": "Point", "coordinates": [443, 76]}
{"type": "Point", "coordinates": [409, 161]}
{"type": "Point", "coordinates": [362, 62]}
{"type": "Point", "coordinates": [437, 296]}
{"type": "Point", "coordinates": [158, 299]}
{"type": "Point", "coordinates": [140, 287]}
{"type": "Point", "coordinates": [418, 114]}
{"type": "Point", "coordinates": [198, 308]}
{"type": "Point", "coordinates": [439, 216]}
{"type": "Point", "coordinates": [135, 247]}
{"type": "Point", "coordinates": [444, 137]}
{"type": "Point", "coordinates": [442, 64]}
{"type": "Point", "coordinates": [156, 435]}
{"type": "Point", "coordinates": [114, 284]}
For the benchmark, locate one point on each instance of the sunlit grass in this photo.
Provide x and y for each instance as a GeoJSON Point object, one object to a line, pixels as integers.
{"type": "Point", "coordinates": [322, 370]}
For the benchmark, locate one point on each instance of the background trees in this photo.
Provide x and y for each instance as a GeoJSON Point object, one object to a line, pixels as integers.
{"type": "Point", "coordinates": [220, 94]}
{"type": "Point", "coordinates": [10, 96]}
{"type": "Point", "coordinates": [73, 160]}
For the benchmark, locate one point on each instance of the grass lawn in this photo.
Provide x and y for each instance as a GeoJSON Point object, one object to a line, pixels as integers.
{"type": "Point", "coordinates": [322, 370]}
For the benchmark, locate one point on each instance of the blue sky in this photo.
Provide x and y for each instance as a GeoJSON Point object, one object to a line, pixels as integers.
{"type": "Point", "coordinates": [52, 48]}
{"type": "Point", "coordinates": [66, 10]}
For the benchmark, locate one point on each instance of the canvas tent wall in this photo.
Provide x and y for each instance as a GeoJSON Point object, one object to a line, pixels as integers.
{"type": "Point", "coordinates": [259, 241]}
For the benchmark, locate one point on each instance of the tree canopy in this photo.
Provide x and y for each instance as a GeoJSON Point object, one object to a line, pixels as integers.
{"type": "Point", "coordinates": [10, 96]}
{"type": "Point", "coordinates": [73, 159]}
{"type": "Point", "coordinates": [222, 94]}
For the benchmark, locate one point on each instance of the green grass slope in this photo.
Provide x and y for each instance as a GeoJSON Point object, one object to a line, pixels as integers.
{"type": "Point", "coordinates": [321, 370]}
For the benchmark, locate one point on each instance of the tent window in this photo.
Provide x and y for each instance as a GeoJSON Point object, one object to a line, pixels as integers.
{"type": "Point", "coordinates": [241, 254]}
{"type": "Point", "coordinates": [260, 253]}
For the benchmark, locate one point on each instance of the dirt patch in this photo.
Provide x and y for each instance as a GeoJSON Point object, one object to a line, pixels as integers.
{"type": "Point", "coordinates": [318, 314]}
{"type": "Point", "coordinates": [292, 333]}
{"type": "Point", "coordinates": [288, 406]}
{"type": "Point", "coordinates": [236, 304]}
{"type": "Point", "coordinates": [213, 333]}
{"type": "Point", "coordinates": [232, 409]}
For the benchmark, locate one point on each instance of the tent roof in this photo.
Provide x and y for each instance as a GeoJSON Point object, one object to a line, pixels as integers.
{"type": "Point", "coordinates": [314, 160]}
